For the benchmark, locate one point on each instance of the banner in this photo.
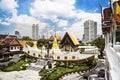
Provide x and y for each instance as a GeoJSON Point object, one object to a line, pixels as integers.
{"type": "Point", "coordinates": [107, 13]}
{"type": "Point", "coordinates": [116, 6]}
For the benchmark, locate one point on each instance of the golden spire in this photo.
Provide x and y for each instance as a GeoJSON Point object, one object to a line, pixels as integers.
{"type": "Point", "coordinates": [35, 45]}
{"type": "Point", "coordinates": [55, 44]}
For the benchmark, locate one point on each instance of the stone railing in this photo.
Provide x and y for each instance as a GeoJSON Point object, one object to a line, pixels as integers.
{"type": "Point", "coordinates": [114, 63]}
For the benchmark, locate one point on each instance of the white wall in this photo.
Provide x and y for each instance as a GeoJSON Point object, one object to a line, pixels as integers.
{"type": "Point", "coordinates": [14, 48]}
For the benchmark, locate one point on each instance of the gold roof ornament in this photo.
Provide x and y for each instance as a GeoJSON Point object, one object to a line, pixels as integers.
{"type": "Point", "coordinates": [55, 44]}
{"type": "Point", "coordinates": [53, 37]}
{"type": "Point", "coordinates": [35, 45]}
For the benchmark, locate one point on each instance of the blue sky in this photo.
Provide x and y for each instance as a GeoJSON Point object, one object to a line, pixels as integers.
{"type": "Point", "coordinates": [58, 15]}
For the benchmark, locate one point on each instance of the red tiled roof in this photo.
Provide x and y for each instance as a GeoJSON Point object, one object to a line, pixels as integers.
{"type": "Point", "coordinates": [8, 40]}
{"type": "Point", "coordinates": [2, 43]}
{"type": "Point", "coordinates": [3, 36]}
{"type": "Point", "coordinates": [3, 51]}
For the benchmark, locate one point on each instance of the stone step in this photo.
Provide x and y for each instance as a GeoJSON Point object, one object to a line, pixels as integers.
{"type": "Point", "coordinates": [40, 63]}
{"type": "Point", "coordinates": [34, 68]}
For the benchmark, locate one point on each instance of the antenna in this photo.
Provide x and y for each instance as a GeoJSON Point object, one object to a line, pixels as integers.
{"type": "Point", "coordinates": [46, 32]}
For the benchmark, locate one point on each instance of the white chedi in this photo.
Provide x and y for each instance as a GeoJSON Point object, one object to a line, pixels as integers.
{"type": "Point", "coordinates": [34, 51]}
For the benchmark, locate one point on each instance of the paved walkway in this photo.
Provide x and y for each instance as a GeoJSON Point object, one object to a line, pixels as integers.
{"type": "Point", "coordinates": [30, 74]}
{"type": "Point", "coordinates": [20, 75]}
{"type": "Point", "coordinates": [74, 76]}
{"type": "Point", "coordinates": [37, 66]}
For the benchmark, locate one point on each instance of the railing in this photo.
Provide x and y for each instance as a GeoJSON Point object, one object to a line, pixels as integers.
{"type": "Point", "coordinates": [80, 72]}
{"type": "Point", "coordinates": [114, 63]}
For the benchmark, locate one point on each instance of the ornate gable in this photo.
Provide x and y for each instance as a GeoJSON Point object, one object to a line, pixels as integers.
{"type": "Point", "coordinates": [69, 42]}
{"type": "Point", "coordinates": [71, 38]}
{"type": "Point", "coordinates": [14, 42]}
{"type": "Point", "coordinates": [2, 43]}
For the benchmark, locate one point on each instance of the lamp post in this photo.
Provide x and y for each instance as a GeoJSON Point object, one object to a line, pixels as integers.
{"type": "Point", "coordinates": [48, 50]}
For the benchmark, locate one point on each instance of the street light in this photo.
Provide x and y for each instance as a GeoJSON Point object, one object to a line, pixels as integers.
{"type": "Point", "coordinates": [48, 50]}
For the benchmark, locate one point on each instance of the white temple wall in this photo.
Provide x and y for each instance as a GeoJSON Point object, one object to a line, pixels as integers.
{"type": "Point", "coordinates": [114, 60]}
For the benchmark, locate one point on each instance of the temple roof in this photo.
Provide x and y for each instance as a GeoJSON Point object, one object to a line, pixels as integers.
{"type": "Point", "coordinates": [2, 43]}
{"type": "Point", "coordinates": [73, 38]}
{"type": "Point", "coordinates": [53, 37]}
{"type": "Point", "coordinates": [8, 40]}
{"type": "Point", "coordinates": [11, 41]}
{"type": "Point", "coordinates": [22, 43]}
{"type": "Point", "coordinates": [3, 36]}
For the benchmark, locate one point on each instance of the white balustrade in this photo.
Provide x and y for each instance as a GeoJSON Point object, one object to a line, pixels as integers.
{"type": "Point", "coordinates": [114, 62]}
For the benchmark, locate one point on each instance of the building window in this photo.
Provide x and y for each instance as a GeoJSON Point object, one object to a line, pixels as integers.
{"type": "Point", "coordinates": [18, 47]}
{"type": "Point", "coordinates": [33, 54]}
{"type": "Point", "coordinates": [58, 57]}
{"type": "Point", "coordinates": [11, 48]}
{"type": "Point", "coordinates": [1, 56]}
{"type": "Point", "coordinates": [65, 57]}
{"type": "Point", "coordinates": [73, 57]}
{"type": "Point", "coordinates": [39, 55]}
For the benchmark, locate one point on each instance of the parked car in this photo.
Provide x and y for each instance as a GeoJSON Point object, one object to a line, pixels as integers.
{"type": "Point", "coordinates": [100, 78]}
{"type": "Point", "coordinates": [101, 73]}
{"type": "Point", "coordinates": [93, 77]}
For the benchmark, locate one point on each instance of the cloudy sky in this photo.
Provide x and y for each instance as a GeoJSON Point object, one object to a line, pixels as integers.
{"type": "Point", "coordinates": [58, 15]}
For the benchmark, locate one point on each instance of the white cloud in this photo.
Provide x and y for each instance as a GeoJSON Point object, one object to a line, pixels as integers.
{"type": "Point", "coordinates": [51, 9]}
{"type": "Point", "coordinates": [23, 19]}
{"type": "Point", "coordinates": [9, 5]}
{"type": "Point", "coordinates": [77, 28]}
{"type": "Point", "coordinates": [95, 10]}
{"type": "Point", "coordinates": [5, 23]}
{"type": "Point", "coordinates": [62, 23]}
{"type": "Point", "coordinates": [23, 24]}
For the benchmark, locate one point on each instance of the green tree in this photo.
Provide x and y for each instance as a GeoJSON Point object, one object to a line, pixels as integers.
{"type": "Point", "coordinates": [100, 43]}
{"type": "Point", "coordinates": [41, 42]}
{"type": "Point", "coordinates": [44, 42]}
{"type": "Point", "coordinates": [81, 43]}
{"type": "Point", "coordinates": [27, 38]}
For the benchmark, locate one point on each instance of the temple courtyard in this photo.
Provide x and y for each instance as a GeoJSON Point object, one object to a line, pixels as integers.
{"type": "Point", "coordinates": [20, 75]}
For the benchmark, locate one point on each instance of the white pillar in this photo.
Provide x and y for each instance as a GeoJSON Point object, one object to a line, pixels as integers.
{"type": "Point", "coordinates": [107, 38]}
{"type": "Point", "coordinates": [114, 36]}
{"type": "Point", "coordinates": [105, 35]}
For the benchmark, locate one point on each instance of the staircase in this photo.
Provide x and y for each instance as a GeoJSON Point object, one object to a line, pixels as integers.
{"type": "Point", "coordinates": [37, 66]}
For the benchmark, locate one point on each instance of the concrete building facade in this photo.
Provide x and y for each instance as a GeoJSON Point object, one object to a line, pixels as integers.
{"type": "Point", "coordinates": [35, 31]}
{"type": "Point", "coordinates": [90, 30]}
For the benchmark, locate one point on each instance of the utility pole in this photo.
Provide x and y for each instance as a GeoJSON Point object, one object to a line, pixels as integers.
{"type": "Point", "coordinates": [46, 32]}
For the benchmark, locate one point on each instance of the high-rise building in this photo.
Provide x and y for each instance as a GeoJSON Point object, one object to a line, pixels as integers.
{"type": "Point", "coordinates": [90, 30]}
{"type": "Point", "coordinates": [35, 31]}
{"type": "Point", "coordinates": [17, 33]}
